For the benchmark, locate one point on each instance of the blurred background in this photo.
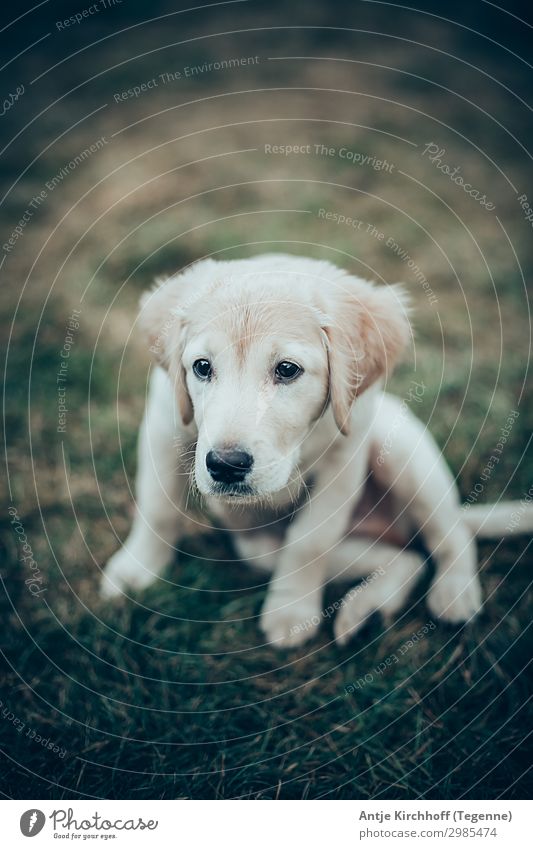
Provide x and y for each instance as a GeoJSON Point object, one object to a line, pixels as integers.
{"type": "Point", "coordinates": [136, 139]}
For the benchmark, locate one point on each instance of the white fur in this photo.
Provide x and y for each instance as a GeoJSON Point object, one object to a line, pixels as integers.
{"type": "Point", "coordinates": [330, 424]}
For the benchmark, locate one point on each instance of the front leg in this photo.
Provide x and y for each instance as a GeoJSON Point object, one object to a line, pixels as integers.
{"type": "Point", "coordinates": [160, 485]}
{"type": "Point", "coordinates": [292, 609]}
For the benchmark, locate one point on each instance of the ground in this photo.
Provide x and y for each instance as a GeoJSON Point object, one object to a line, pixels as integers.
{"type": "Point", "coordinates": [173, 696]}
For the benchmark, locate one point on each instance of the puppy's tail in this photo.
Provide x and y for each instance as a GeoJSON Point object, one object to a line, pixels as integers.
{"type": "Point", "coordinates": [507, 518]}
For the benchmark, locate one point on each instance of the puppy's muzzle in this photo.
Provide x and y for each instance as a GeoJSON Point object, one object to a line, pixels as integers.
{"type": "Point", "coordinates": [228, 465]}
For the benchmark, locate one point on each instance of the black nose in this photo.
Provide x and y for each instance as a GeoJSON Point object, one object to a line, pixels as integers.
{"type": "Point", "coordinates": [228, 465]}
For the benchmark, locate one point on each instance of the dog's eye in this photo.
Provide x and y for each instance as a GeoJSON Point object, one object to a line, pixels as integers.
{"type": "Point", "coordinates": [202, 369]}
{"type": "Point", "coordinates": [286, 371]}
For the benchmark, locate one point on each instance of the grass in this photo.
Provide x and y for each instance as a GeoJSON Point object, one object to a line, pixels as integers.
{"type": "Point", "coordinates": [172, 695]}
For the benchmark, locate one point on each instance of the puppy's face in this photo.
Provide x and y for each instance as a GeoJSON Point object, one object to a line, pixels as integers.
{"type": "Point", "coordinates": [257, 354]}
{"type": "Point", "coordinates": [256, 373]}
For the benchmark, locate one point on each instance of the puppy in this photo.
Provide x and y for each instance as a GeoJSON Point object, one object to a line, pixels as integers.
{"type": "Point", "coordinates": [269, 374]}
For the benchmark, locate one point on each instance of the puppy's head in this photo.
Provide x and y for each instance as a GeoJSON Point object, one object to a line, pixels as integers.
{"type": "Point", "coordinates": [255, 354]}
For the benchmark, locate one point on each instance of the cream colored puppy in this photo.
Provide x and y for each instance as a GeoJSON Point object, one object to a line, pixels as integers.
{"type": "Point", "coordinates": [269, 373]}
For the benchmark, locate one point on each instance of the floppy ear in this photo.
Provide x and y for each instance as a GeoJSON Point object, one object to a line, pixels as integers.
{"type": "Point", "coordinates": [369, 329]}
{"type": "Point", "coordinates": [161, 319]}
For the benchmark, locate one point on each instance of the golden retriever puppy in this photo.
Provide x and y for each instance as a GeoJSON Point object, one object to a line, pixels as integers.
{"type": "Point", "coordinates": [270, 373]}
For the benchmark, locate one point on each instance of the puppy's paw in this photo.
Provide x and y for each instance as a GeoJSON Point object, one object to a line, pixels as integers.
{"type": "Point", "coordinates": [455, 597]}
{"type": "Point", "coordinates": [123, 571]}
{"type": "Point", "coordinates": [288, 623]}
{"type": "Point", "coordinates": [355, 610]}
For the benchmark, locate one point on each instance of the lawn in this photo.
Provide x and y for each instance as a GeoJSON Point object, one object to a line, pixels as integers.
{"type": "Point", "coordinates": [173, 695]}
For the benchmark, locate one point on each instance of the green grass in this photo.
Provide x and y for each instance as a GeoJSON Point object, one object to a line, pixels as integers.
{"type": "Point", "coordinates": [172, 695]}
{"type": "Point", "coordinates": [150, 703]}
